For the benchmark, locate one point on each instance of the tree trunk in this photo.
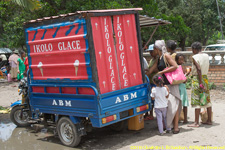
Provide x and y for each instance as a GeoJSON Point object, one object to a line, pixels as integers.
{"type": "Point", "coordinates": [182, 43]}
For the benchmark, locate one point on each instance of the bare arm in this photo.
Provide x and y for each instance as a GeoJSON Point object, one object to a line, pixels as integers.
{"type": "Point", "coordinates": [198, 71]}
{"type": "Point", "coordinates": [172, 63]}
{"type": "Point", "coordinates": [167, 90]}
{"type": "Point", "coordinates": [153, 98]}
{"type": "Point", "coordinates": [151, 70]}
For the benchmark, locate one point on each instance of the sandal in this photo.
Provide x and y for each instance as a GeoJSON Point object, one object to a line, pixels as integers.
{"type": "Point", "coordinates": [176, 132]}
{"type": "Point", "coordinates": [193, 125]}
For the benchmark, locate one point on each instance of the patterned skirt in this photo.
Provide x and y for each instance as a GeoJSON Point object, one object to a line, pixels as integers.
{"type": "Point", "coordinates": [195, 92]}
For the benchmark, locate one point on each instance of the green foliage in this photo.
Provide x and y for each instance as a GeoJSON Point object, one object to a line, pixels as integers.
{"type": "Point", "coordinates": [224, 86]}
{"type": "Point", "coordinates": [213, 39]}
{"type": "Point", "coordinates": [177, 30]}
{"type": "Point", "coordinates": [199, 16]}
{"type": "Point", "coordinates": [212, 85]}
{"type": "Point", "coordinates": [14, 32]}
{"type": "Point", "coordinates": [192, 20]}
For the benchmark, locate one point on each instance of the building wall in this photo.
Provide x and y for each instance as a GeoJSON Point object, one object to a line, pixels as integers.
{"type": "Point", "coordinates": [217, 74]}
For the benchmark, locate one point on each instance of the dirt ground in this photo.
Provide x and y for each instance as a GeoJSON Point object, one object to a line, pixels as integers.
{"type": "Point", "coordinates": [8, 93]}
{"type": "Point", "coordinates": [28, 138]}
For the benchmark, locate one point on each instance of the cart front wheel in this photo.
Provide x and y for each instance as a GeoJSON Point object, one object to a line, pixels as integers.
{"type": "Point", "coordinates": [67, 132]}
{"type": "Point", "coordinates": [15, 116]}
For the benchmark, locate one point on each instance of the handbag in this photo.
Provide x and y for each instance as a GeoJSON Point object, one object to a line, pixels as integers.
{"type": "Point", "coordinates": [175, 77]}
{"type": "Point", "coordinates": [204, 116]}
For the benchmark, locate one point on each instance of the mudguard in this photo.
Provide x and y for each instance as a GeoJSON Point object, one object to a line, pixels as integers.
{"type": "Point", "coordinates": [16, 103]}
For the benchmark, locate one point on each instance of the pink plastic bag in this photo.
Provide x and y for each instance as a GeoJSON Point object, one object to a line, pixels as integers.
{"type": "Point", "coordinates": [9, 78]}
{"type": "Point", "coordinates": [176, 77]}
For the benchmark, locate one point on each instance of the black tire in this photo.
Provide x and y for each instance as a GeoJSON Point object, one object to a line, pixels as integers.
{"type": "Point", "coordinates": [119, 126]}
{"type": "Point", "coordinates": [65, 127]}
{"type": "Point", "coordinates": [15, 117]}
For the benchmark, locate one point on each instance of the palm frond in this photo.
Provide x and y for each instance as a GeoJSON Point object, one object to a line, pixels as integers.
{"type": "Point", "coordinates": [30, 4]}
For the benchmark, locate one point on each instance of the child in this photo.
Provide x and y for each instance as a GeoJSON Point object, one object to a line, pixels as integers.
{"type": "Point", "coordinates": [171, 46]}
{"type": "Point", "coordinates": [4, 72]}
{"type": "Point", "coordinates": [182, 87]}
{"type": "Point", "coordinates": [160, 94]}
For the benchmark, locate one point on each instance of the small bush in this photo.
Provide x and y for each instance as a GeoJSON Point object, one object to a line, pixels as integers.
{"type": "Point", "coordinates": [212, 85]}
{"type": "Point", "coordinates": [224, 86]}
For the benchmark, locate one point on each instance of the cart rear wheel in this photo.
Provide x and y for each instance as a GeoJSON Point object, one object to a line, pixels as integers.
{"type": "Point", "coordinates": [119, 126]}
{"type": "Point", "coordinates": [67, 132]}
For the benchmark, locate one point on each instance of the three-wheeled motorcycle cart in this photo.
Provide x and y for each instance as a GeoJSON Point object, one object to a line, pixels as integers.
{"type": "Point", "coordinates": [86, 68]}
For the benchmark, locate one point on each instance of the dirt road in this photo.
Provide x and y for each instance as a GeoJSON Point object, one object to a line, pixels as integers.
{"type": "Point", "coordinates": [27, 138]}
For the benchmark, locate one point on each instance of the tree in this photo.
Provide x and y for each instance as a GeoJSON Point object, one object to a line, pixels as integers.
{"type": "Point", "coordinates": [192, 20]}
{"type": "Point", "coordinates": [13, 15]}
{"type": "Point", "coordinates": [199, 16]}
{"type": "Point", "coordinates": [177, 31]}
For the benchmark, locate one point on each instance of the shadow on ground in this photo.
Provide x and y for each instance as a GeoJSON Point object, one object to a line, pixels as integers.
{"type": "Point", "coordinates": [99, 138]}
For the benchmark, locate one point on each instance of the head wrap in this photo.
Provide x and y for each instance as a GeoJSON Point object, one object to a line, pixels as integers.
{"type": "Point", "coordinates": [160, 44]}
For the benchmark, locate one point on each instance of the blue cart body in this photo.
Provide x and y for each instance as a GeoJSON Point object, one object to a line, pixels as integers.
{"type": "Point", "coordinates": [95, 107]}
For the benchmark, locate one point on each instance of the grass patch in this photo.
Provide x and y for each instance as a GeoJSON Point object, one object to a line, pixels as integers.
{"type": "Point", "coordinates": [3, 108]}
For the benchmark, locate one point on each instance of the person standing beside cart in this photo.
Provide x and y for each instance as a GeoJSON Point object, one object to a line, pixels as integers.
{"type": "Point", "coordinates": [200, 68]}
{"type": "Point", "coordinates": [21, 66]}
{"type": "Point", "coordinates": [13, 64]}
{"type": "Point", "coordinates": [174, 101]}
{"type": "Point", "coordinates": [154, 58]}
{"type": "Point", "coordinates": [160, 93]}
{"type": "Point", "coordinates": [182, 87]}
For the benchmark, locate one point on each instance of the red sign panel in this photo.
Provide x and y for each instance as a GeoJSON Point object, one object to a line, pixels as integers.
{"type": "Point", "coordinates": [58, 51]}
{"type": "Point", "coordinates": [127, 50]}
{"type": "Point", "coordinates": [105, 54]}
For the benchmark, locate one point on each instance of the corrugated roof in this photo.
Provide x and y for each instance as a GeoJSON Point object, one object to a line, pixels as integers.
{"type": "Point", "coordinates": [82, 12]}
{"type": "Point", "coordinates": [145, 21]}
{"type": "Point", "coordinates": [5, 51]}
{"type": "Point", "coordinates": [109, 10]}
